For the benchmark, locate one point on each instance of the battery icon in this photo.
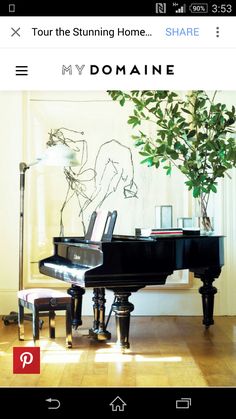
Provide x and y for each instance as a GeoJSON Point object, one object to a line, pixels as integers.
{"type": "Point", "coordinates": [198, 8]}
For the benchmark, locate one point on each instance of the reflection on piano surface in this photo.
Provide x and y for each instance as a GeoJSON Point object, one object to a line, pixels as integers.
{"type": "Point", "coordinates": [126, 264]}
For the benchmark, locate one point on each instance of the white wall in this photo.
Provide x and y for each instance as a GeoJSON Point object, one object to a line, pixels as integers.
{"type": "Point", "coordinates": [11, 140]}
{"type": "Point", "coordinates": [227, 210]}
{"type": "Point", "coordinates": [15, 133]}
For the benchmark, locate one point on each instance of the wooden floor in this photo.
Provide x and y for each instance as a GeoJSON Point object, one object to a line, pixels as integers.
{"type": "Point", "coordinates": [165, 351]}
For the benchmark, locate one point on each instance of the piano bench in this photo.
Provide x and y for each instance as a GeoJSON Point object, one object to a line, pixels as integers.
{"type": "Point", "coordinates": [47, 300]}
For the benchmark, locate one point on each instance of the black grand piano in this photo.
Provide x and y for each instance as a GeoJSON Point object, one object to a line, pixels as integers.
{"type": "Point", "coordinates": [126, 264]}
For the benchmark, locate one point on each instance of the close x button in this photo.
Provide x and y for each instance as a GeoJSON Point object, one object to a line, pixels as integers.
{"type": "Point", "coordinates": [21, 70]}
{"type": "Point", "coordinates": [15, 32]}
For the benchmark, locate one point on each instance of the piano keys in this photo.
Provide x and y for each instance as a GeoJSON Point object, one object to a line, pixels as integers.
{"type": "Point", "coordinates": [127, 264]}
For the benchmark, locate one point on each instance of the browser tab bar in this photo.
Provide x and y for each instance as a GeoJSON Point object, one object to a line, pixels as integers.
{"type": "Point", "coordinates": [111, 33]}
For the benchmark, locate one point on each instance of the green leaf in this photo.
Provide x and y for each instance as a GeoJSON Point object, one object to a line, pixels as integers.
{"type": "Point", "coordinates": [144, 153]}
{"type": "Point", "coordinates": [196, 191]}
{"type": "Point", "coordinates": [191, 133]}
{"type": "Point", "coordinates": [186, 111]}
{"type": "Point", "coordinates": [184, 170]}
{"type": "Point", "coordinates": [175, 109]}
{"type": "Point", "coordinates": [147, 148]}
{"type": "Point", "coordinates": [213, 188]}
{"type": "Point", "coordinates": [149, 161]}
{"type": "Point", "coordinates": [168, 169]}
{"type": "Point", "coordinates": [133, 120]}
{"type": "Point", "coordinates": [122, 101]}
{"type": "Point", "coordinates": [160, 113]}
{"type": "Point", "coordinates": [161, 149]}
{"type": "Point", "coordinates": [139, 142]}
{"type": "Point", "coordinates": [173, 154]}
{"type": "Point", "coordinates": [149, 100]}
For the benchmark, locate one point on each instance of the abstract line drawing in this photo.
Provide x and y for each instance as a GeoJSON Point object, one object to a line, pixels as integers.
{"type": "Point", "coordinates": [92, 184]}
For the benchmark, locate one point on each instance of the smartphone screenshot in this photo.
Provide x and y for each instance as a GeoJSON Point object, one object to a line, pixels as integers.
{"type": "Point", "coordinates": [118, 208]}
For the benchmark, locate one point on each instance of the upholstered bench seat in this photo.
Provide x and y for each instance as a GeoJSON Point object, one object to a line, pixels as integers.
{"type": "Point", "coordinates": [47, 300]}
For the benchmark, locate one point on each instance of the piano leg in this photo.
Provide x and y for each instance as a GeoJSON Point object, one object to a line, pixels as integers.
{"type": "Point", "coordinates": [76, 309]}
{"type": "Point", "coordinates": [207, 291]}
{"type": "Point", "coordinates": [98, 330]}
{"type": "Point", "coordinates": [122, 308]}
{"type": "Point", "coordinates": [95, 311]}
{"type": "Point", "coordinates": [207, 276]}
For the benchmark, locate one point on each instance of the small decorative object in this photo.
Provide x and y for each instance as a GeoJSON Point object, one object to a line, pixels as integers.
{"type": "Point", "coordinates": [163, 216]}
{"type": "Point", "coordinates": [158, 232]}
{"type": "Point", "coordinates": [185, 222]}
{"type": "Point", "coordinates": [202, 220]}
{"type": "Point", "coordinates": [205, 224]}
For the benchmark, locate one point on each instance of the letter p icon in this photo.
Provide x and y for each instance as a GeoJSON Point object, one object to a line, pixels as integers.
{"type": "Point", "coordinates": [26, 360]}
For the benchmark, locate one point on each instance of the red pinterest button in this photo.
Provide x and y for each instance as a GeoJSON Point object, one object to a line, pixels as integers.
{"type": "Point", "coordinates": [26, 360]}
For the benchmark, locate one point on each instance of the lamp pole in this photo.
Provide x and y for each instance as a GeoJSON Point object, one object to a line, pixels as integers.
{"type": "Point", "coordinates": [13, 316]}
{"type": "Point", "coordinates": [23, 168]}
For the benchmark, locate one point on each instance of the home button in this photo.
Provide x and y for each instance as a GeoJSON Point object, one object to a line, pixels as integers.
{"type": "Point", "coordinates": [117, 405]}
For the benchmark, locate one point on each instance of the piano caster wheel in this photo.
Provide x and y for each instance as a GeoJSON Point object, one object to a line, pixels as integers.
{"type": "Point", "coordinates": [124, 350]}
{"type": "Point", "coordinates": [8, 322]}
{"type": "Point", "coordinates": [11, 318]}
{"type": "Point", "coordinates": [76, 324]}
{"type": "Point", "coordinates": [208, 324]}
{"type": "Point", "coordinates": [103, 335]}
{"type": "Point", "coordinates": [95, 334]}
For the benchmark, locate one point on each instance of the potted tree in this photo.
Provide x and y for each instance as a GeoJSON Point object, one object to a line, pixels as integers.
{"type": "Point", "coordinates": [194, 133]}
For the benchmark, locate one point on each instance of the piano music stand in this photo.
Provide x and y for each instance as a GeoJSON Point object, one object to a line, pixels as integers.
{"type": "Point", "coordinates": [56, 155]}
{"type": "Point", "coordinates": [101, 226]}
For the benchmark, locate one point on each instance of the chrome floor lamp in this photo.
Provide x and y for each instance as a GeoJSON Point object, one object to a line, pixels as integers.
{"type": "Point", "coordinates": [55, 155]}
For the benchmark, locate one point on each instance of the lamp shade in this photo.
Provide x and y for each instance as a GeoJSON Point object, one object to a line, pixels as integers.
{"type": "Point", "coordinates": [60, 155]}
